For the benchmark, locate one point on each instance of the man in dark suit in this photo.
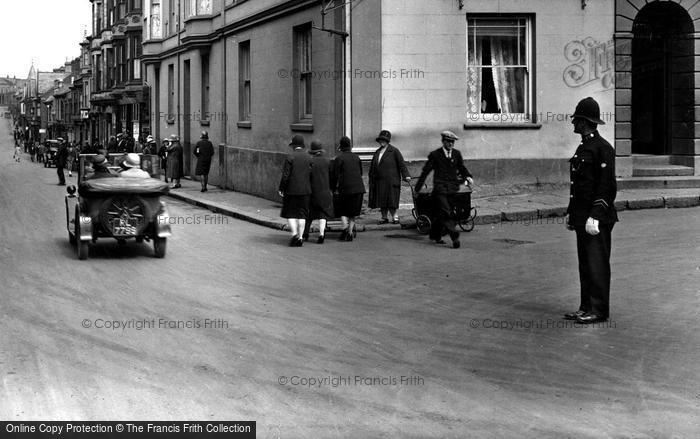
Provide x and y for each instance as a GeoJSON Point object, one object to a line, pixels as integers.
{"type": "Point", "coordinates": [61, 161]}
{"type": "Point", "coordinates": [591, 212]}
{"type": "Point", "coordinates": [450, 173]}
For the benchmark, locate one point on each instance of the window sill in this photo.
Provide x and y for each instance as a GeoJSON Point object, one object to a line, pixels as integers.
{"type": "Point", "coordinates": [170, 120]}
{"type": "Point", "coordinates": [307, 127]}
{"type": "Point", "coordinates": [244, 124]}
{"type": "Point", "coordinates": [502, 126]}
{"type": "Point", "coordinates": [234, 4]}
{"type": "Point", "coordinates": [201, 17]}
{"type": "Point", "coordinates": [204, 122]}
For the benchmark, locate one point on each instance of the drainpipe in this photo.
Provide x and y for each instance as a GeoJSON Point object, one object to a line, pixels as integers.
{"type": "Point", "coordinates": [348, 70]}
{"type": "Point", "coordinates": [179, 93]}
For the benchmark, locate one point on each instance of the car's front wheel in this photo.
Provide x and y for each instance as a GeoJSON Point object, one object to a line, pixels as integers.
{"type": "Point", "coordinates": [159, 245]}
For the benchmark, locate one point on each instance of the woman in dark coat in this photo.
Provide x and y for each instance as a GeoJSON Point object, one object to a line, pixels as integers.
{"type": "Point", "coordinates": [163, 155]}
{"type": "Point", "coordinates": [295, 190]}
{"type": "Point", "coordinates": [385, 174]}
{"type": "Point", "coordinates": [175, 161]}
{"type": "Point", "coordinates": [204, 151]}
{"type": "Point", "coordinates": [321, 205]}
{"type": "Point", "coordinates": [347, 181]}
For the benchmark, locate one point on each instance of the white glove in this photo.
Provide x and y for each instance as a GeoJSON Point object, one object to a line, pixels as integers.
{"type": "Point", "coordinates": [469, 181]}
{"type": "Point", "coordinates": [592, 226]}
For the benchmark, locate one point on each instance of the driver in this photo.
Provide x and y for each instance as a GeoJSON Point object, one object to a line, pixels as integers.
{"type": "Point", "coordinates": [100, 169]}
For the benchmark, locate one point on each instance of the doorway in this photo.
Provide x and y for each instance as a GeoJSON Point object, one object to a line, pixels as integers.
{"type": "Point", "coordinates": [662, 79]}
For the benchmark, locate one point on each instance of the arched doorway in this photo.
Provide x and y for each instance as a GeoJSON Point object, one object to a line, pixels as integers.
{"type": "Point", "coordinates": [663, 83]}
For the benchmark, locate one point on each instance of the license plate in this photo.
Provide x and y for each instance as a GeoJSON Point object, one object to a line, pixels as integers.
{"type": "Point", "coordinates": [121, 227]}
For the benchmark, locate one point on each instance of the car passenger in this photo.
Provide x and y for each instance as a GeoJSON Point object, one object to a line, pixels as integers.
{"type": "Point", "coordinates": [131, 167]}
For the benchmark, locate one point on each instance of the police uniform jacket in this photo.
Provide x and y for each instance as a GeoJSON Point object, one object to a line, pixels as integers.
{"type": "Point", "coordinates": [593, 185]}
{"type": "Point", "coordinates": [448, 173]}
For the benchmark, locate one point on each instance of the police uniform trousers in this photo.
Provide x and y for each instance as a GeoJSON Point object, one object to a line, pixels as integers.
{"type": "Point", "coordinates": [594, 269]}
{"type": "Point", "coordinates": [443, 218]}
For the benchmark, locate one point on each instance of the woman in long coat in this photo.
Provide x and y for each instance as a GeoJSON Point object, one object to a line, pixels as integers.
{"type": "Point", "coordinates": [385, 174]}
{"type": "Point", "coordinates": [204, 151]}
{"type": "Point", "coordinates": [295, 190]}
{"type": "Point", "coordinates": [175, 161]}
{"type": "Point", "coordinates": [321, 204]}
{"type": "Point", "coordinates": [347, 181]}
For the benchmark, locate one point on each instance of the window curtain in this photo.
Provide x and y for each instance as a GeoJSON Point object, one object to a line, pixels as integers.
{"type": "Point", "coordinates": [474, 79]}
{"type": "Point", "coordinates": [509, 82]}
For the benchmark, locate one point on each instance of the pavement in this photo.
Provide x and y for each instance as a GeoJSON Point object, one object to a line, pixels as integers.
{"type": "Point", "coordinates": [523, 207]}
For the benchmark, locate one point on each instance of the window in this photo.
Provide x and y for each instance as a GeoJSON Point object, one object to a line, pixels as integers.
{"type": "Point", "coordinates": [121, 62]}
{"type": "Point", "coordinates": [498, 66]}
{"type": "Point", "coordinates": [197, 7]}
{"type": "Point", "coordinates": [134, 59]}
{"type": "Point", "coordinates": [111, 69]}
{"type": "Point", "coordinates": [302, 66]}
{"type": "Point", "coordinates": [155, 29]}
{"type": "Point", "coordinates": [171, 92]}
{"type": "Point", "coordinates": [205, 86]}
{"type": "Point", "coordinates": [244, 81]}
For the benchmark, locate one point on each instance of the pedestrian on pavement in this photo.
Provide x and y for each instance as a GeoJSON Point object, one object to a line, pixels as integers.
{"type": "Point", "coordinates": [150, 147]}
{"type": "Point", "coordinates": [131, 167]}
{"type": "Point", "coordinates": [70, 159]}
{"type": "Point", "coordinates": [204, 151]}
{"type": "Point", "coordinates": [321, 203]}
{"type": "Point", "coordinates": [174, 161]}
{"type": "Point", "coordinates": [347, 182]}
{"type": "Point", "coordinates": [61, 161]}
{"type": "Point", "coordinates": [40, 152]}
{"type": "Point", "coordinates": [295, 189]}
{"type": "Point", "coordinates": [163, 155]}
{"type": "Point", "coordinates": [449, 174]}
{"type": "Point", "coordinates": [385, 173]}
{"type": "Point", "coordinates": [17, 156]}
{"type": "Point", "coordinates": [591, 212]}
{"type": "Point", "coordinates": [112, 145]}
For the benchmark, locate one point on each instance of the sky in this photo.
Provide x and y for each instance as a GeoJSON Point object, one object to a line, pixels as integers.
{"type": "Point", "coordinates": [47, 31]}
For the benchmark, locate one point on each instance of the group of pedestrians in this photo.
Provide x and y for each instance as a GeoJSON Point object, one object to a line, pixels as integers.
{"type": "Point", "coordinates": [309, 182]}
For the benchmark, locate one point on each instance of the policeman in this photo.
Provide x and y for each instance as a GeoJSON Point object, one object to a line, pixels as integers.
{"type": "Point", "coordinates": [591, 212]}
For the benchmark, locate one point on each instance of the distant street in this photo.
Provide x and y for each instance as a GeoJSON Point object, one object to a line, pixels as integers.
{"type": "Point", "coordinates": [388, 336]}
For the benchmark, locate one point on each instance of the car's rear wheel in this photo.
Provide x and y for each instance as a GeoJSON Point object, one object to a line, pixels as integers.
{"type": "Point", "coordinates": [159, 245]}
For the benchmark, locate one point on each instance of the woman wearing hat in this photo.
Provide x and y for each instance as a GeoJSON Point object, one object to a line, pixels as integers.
{"type": "Point", "coordinates": [163, 155]}
{"type": "Point", "coordinates": [131, 167]}
{"type": "Point", "coordinates": [174, 161]}
{"type": "Point", "coordinates": [347, 181]}
{"type": "Point", "coordinates": [385, 174]}
{"type": "Point", "coordinates": [295, 190]}
{"type": "Point", "coordinates": [204, 151]}
{"type": "Point", "coordinates": [321, 205]}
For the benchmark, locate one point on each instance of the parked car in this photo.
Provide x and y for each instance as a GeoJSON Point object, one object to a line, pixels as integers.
{"type": "Point", "coordinates": [116, 207]}
{"type": "Point", "coordinates": [50, 150]}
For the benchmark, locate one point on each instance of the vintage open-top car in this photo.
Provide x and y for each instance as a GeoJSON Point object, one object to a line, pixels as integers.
{"type": "Point", "coordinates": [50, 151]}
{"type": "Point", "coordinates": [115, 207]}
